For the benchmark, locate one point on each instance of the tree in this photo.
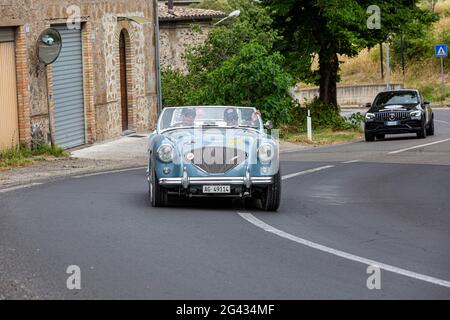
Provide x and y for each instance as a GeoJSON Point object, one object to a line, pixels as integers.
{"type": "Point", "coordinates": [329, 28]}
{"type": "Point", "coordinates": [254, 77]}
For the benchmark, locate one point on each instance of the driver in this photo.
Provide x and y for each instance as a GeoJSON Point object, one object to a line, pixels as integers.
{"type": "Point", "coordinates": [251, 118]}
{"type": "Point", "coordinates": [188, 117]}
{"type": "Point", "coordinates": [231, 117]}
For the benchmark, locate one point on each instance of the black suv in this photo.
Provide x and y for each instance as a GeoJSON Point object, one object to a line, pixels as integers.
{"type": "Point", "coordinates": [400, 111]}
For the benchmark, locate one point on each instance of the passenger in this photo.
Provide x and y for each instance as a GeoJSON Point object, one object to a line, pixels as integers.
{"type": "Point", "coordinates": [188, 116]}
{"type": "Point", "coordinates": [231, 117]}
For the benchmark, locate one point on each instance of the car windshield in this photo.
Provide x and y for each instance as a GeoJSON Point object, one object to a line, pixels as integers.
{"type": "Point", "coordinates": [396, 98]}
{"type": "Point", "coordinates": [173, 118]}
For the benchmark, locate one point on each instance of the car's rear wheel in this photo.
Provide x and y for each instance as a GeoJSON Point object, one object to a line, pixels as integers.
{"type": "Point", "coordinates": [430, 130]}
{"type": "Point", "coordinates": [380, 136]}
{"type": "Point", "coordinates": [158, 195]}
{"type": "Point", "coordinates": [271, 196]}
{"type": "Point", "coordinates": [369, 137]}
{"type": "Point", "coordinates": [422, 134]}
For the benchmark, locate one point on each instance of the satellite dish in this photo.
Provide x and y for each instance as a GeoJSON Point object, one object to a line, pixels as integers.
{"type": "Point", "coordinates": [49, 46]}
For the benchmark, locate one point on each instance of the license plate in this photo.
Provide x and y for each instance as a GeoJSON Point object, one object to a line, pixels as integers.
{"type": "Point", "coordinates": [216, 189]}
{"type": "Point", "coordinates": [392, 123]}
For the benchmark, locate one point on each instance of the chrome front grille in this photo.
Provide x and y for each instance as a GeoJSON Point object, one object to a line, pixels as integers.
{"type": "Point", "coordinates": [392, 115]}
{"type": "Point", "coordinates": [218, 159]}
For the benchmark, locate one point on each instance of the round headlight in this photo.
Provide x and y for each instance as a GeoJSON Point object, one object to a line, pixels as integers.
{"type": "Point", "coordinates": [165, 153]}
{"type": "Point", "coordinates": [266, 152]}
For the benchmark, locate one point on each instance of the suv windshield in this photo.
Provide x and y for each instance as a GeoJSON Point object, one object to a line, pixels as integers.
{"type": "Point", "coordinates": [396, 98]}
{"type": "Point", "coordinates": [173, 118]}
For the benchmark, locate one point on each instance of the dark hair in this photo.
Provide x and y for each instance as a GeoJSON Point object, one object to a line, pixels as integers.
{"type": "Point", "coordinates": [230, 114]}
{"type": "Point", "coordinates": [189, 112]}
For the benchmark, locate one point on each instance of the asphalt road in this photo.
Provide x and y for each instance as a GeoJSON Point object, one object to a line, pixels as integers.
{"type": "Point", "coordinates": [364, 204]}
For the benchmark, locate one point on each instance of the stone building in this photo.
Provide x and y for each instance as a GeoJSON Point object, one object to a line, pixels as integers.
{"type": "Point", "coordinates": [103, 83]}
{"type": "Point", "coordinates": [181, 27]}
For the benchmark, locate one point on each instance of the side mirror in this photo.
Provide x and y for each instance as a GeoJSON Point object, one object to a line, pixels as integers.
{"type": "Point", "coordinates": [426, 103]}
{"type": "Point", "coordinates": [268, 125]}
{"type": "Point", "coordinates": [368, 105]}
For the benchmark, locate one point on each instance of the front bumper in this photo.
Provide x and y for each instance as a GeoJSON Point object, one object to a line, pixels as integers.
{"type": "Point", "coordinates": [198, 181]}
{"type": "Point", "coordinates": [404, 126]}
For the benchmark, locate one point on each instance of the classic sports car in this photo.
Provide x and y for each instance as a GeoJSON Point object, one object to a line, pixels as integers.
{"type": "Point", "coordinates": [213, 151]}
{"type": "Point", "coordinates": [400, 111]}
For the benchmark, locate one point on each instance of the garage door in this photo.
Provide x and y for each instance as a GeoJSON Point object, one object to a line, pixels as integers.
{"type": "Point", "coordinates": [68, 91]}
{"type": "Point", "coordinates": [9, 120]}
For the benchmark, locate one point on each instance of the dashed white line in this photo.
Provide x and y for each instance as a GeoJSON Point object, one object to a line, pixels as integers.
{"type": "Point", "coordinates": [351, 161]}
{"type": "Point", "coordinates": [442, 121]}
{"type": "Point", "coordinates": [293, 175]}
{"type": "Point", "coordinates": [264, 226]}
{"type": "Point", "coordinates": [420, 146]}
{"type": "Point", "coordinates": [107, 172]}
{"type": "Point", "coordinates": [25, 186]}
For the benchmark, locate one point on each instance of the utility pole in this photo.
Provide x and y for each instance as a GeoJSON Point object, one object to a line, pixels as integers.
{"type": "Point", "coordinates": [443, 79]}
{"type": "Point", "coordinates": [382, 61]}
{"type": "Point", "coordinates": [388, 63]}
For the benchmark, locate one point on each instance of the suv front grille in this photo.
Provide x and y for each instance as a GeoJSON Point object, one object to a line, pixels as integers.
{"type": "Point", "coordinates": [392, 115]}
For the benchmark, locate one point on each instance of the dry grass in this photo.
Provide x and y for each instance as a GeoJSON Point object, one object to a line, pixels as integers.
{"type": "Point", "coordinates": [424, 75]}
{"type": "Point", "coordinates": [324, 137]}
{"type": "Point", "coordinates": [442, 7]}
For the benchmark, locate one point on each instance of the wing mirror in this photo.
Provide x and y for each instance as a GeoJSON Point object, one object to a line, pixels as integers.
{"type": "Point", "coordinates": [426, 103]}
{"type": "Point", "coordinates": [368, 105]}
{"type": "Point", "coordinates": [268, 125]}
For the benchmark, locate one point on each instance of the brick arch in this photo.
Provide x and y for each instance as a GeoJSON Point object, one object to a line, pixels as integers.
{"type": "Point", "coordinates": [124, 27]}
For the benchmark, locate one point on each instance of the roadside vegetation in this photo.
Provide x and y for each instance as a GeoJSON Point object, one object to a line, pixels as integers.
{"type": "Point", "coordinates": [22, 156]}
{"type": "Point", "coordinates": [422, 68]}
{"type": "Point", "coordinates": [257, 58]}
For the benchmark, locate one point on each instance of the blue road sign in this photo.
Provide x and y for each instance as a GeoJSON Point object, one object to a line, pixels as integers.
{"type": "Point", "coordinates": [441, 50]}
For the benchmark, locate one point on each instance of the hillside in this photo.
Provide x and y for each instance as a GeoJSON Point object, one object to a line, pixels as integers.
{"type": "Point", "coordinates": [423, 73]}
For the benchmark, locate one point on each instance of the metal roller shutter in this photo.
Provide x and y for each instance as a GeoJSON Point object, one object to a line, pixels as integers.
{"type": "Point", "coordinates": [9, 120]}
{"type": "Point", "coordinates": [68, 91]}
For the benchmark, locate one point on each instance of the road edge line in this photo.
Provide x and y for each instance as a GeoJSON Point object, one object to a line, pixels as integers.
{"type": "Point", "coordinates": [410, 274]}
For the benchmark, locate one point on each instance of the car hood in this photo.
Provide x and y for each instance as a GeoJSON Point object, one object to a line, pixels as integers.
{"type": "Point", "coordinates": [187, 140]}
{"type": "Point", "coordinates": [397, 107]}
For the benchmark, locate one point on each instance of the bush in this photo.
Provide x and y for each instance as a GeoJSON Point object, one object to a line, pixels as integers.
{"type": "Point", "coordinates": [254, 77]}
{"type": "Point", "coordinates": [325, 116]}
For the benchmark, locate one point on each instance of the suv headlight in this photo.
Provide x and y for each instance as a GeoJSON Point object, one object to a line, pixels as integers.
{"type": "Point", "coordinates": [165, 153]}
{"type": "Point", "coordinates": [416, 114]}
{"type": "Point", "coordinates": [266, 152]}
{"type": "Point", "coordinates": [370, 116]}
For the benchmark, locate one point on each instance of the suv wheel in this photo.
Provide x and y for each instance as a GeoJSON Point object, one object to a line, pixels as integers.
{"type": "Point", "coordinates": [422, 134]}
{"type": "Point", "coordinates": [369, 137]}
{"type": "Point", "coordinates": [430, 130]}
{"type": "Point", "coordinates": [380, 136]}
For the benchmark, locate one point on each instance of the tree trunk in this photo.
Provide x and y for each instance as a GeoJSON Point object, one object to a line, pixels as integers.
{"type": "Point", "coordinates": [328, 70]}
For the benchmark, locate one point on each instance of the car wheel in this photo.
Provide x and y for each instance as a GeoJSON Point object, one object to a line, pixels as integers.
{"type": "Point", "coordinates": [157, 194]}
{"type": "Point", "coordinates": [271, 197]}
{"type": "Point", "coordinates": [422, 134]}
{"type": "Point", "coordinates": [380, 136]}
{"type": "Point", "coordinates": [369, 137]}
{"type": "Point", "coordinates": [430, 130]}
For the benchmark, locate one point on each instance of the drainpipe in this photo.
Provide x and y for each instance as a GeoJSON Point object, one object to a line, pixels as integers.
{"type": "Point", "coordinates": [157, 57]}
{"type": "Point", "coordinates": [170, 6]}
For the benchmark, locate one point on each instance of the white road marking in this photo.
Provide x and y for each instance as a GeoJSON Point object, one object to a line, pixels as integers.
{"type": "Point", "coordinates": [25, 186]}
{"type": "Point", "coordinates": [293, 175]}
{"type": "Point", "coordinates": [420, 146]}
{"type": "Point", "coordinates": [107, 172]}
{"type": "Point", "coordinates": [442, 121]}
{"type": "Point", "coordinates": [351, 161]}
{"type": "Point", "coordinates": [262, 225]}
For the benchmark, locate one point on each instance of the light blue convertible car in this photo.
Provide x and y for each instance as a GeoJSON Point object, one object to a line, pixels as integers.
{"type": "Point", "coordinates": [213, 151]}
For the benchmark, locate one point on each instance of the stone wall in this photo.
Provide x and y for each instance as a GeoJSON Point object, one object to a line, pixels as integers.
{"type": "Point", "coordinates": [176, 38]}
{"type": "Point", "coordinates": [101, 28]}
{"type": "Point", "coordinates": [348, 95]}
